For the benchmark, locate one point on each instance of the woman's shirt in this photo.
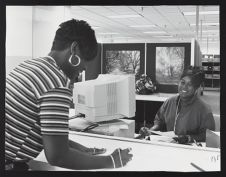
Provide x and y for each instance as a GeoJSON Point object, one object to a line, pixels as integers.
{"type": "Point", "coordinates": [37, 102]}
{"type": "Point", "coordinates": [193, 118]}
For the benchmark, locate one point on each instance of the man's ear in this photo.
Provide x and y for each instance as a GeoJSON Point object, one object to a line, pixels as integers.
{"type": "Point", "coordinates": [73, 47]}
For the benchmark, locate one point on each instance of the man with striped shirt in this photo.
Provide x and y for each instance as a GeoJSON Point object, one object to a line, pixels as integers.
{"type": "Point", "coordinates": [37, 101]}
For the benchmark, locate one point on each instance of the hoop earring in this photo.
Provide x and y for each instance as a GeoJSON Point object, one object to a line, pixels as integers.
{"type": "Point", "coordinates": [196, 91]}
{"type": "Point", "coordinates": [79, 60]}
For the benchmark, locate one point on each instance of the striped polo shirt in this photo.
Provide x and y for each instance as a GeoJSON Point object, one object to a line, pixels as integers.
{"type": "Point", "coordinates": [37, 102]}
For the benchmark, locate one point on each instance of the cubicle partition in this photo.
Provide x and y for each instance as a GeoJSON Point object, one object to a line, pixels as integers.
{"type": "Point", "coordinates": [165, 62]}
{"type": "Point", "coordinates": [124, 58]}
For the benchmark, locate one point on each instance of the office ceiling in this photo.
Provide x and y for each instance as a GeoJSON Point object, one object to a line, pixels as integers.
{"type": "Point", "coordinates": [168, 22]}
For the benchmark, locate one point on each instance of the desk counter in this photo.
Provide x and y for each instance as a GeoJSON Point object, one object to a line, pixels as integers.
{"type": "Point", "coordinates": [147, 155]}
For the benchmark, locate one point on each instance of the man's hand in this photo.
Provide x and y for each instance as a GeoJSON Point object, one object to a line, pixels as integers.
{"type": "Point", "coordinates": [95, 151]}
{"type": "Point", "coordinates": [121, 157]}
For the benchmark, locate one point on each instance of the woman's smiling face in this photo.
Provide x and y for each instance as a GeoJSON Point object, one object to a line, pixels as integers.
{"type": "Point", "coordinates": [186, 88]}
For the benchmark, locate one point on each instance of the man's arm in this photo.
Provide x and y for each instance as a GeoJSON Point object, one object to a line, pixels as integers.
{"type": "Point", "coordinates": [54, 128]}
{"type": "Point", "coordinates": [59, 153]}
{"type": "Point", "coordinates": [93, 150]}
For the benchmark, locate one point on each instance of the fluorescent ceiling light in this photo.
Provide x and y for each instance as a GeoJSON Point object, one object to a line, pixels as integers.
{"type": "Point", "coordinates": [170, 39]}
{"type": "Point", "coordinates": [210, 31]}
{"type": "Point", "coordinates": [202, 13]}
{"type": "Point", "coordinates": [124, 16]}
{"type": "Point", "coordinates": [210, 42]}
{"type": "Point", "coordinates": [142, 26]}
{"type": "Point", "coordinates": [206, 24]}
{"type": "Point", "coordinates": [108, 33]}
{"type": "Point", "coordinates": [163, 36]}
{"type": "Point", "coordinates": [122, 37]}
{"type": "Point", "coordinates": [95, 27]}
{"type": "Point", "coordinates": [210, 35]}
{"type": "Point", "coordinates": [154, 32]}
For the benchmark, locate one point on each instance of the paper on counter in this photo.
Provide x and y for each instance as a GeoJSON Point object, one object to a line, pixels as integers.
{"type": "Point", "coordinates": [160, 138]}
{"type": "Point", "coordinates": [168, 134]}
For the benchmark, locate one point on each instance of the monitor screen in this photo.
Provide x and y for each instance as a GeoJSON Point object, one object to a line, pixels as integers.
{"type": "Point", "coordinates": [105, 98]}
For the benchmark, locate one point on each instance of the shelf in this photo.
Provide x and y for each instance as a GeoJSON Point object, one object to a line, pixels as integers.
{"type": "Point", "coordinates": [212, 88]}
{"type": "Point", "coordinates": [208, 71]}
{"type": "Point", "coordinates": [213, 77]}
{"type": "Point", "coordinates": [203, 61]}
{"type": "Point", "coordinates": [216, 68]}
{"type": "Point", "coordinates": [207, 56]}
{"type": "Point", "coordinates": [215, 59]}
{"type": "Point", "coordinates": [210, 62]}
{"type": "Point", "coordinates": [211, 68]}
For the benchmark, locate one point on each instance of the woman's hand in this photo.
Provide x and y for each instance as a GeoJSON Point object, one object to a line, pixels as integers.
{"type": "Point", "coordinates": [182, 139]}
{"type": "Point", "coordinates": [95, 151]}
{"type": "Point", "coordinates": [121, 157]}
{"type": "Point", "coordinates": [144, 131]}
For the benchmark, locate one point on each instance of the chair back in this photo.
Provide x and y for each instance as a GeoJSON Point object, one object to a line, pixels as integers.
{"type": "Point", "coordinates": [217, 122]}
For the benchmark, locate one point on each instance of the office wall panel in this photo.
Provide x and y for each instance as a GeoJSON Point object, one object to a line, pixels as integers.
{"type": "Point", "coordinates": [151, 63]}
{"type": "Point", "coordinates": [124, 51]}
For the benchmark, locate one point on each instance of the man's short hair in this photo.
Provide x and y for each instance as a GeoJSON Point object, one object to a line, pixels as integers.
{"type": "Point", "coordinates": [79, 31]}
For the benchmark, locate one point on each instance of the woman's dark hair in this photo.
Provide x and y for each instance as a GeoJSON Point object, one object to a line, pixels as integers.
{"type": "Point", "coordinates": [79, 31]}
{"type": "Point", "coordinates": [195, 73]}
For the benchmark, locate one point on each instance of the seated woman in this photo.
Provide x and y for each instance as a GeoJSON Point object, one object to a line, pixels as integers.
{"type": "Point", "coordinates": [185, 114]}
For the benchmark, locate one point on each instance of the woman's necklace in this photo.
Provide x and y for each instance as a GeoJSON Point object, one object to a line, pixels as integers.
{"type": "Point", "coordinates": [176, 115]}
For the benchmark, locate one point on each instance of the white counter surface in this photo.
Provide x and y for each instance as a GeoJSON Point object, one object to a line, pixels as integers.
{"type": "Point", "coordinates": [147, 155]}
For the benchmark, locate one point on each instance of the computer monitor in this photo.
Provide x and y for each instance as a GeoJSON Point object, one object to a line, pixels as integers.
{"type": "Point", "coordinates": [105, 98]}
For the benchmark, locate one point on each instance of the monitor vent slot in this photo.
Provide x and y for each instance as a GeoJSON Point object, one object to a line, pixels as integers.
{"type": "Point", "coordinates": [111, 98]}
